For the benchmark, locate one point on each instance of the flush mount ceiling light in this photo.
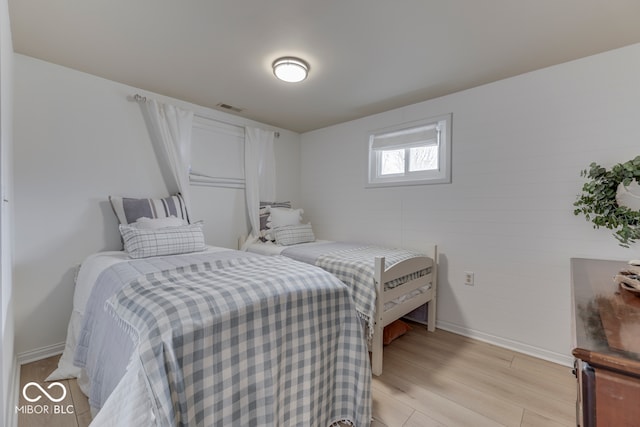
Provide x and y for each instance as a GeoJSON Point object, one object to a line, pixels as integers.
{"type": "Point", "coordinates": [290, 69]}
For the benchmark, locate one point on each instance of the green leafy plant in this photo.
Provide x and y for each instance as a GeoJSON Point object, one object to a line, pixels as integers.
{"type": "Point", "coordinates": [598, 200]}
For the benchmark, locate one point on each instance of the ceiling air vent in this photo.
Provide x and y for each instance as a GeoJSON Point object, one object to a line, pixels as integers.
{"type": "Point", "coordinates": [229, 107]}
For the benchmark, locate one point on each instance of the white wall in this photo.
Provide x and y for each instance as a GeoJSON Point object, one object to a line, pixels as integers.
{"type": "Point", "coordinates": [79, 140]}
{"type": "Point", "coordinates": [7, 355]}
{"type": "Point", "coordinates": [518, 148]}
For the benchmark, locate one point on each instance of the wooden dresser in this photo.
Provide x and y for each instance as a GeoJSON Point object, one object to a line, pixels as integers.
{"type": "Point", "coordinates": [607, 345]}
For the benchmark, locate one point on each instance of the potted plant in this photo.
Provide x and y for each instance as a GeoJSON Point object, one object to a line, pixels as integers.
{"type": "Point", "coordinates": [600, 200]}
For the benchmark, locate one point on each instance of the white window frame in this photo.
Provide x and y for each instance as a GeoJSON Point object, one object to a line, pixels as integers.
{"type": "Point", "coordinates": [440, 126]}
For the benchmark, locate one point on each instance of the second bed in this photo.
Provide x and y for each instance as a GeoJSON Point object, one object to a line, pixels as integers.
{"type": "Point", "coordinates": [386, 283]}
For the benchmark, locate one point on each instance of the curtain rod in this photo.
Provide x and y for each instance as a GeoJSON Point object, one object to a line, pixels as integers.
{"type": "Point", "coordinates": [139, 98]}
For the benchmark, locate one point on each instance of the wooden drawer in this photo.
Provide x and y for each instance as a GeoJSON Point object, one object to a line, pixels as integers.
{"type": "Point", "coordinates": [617, 399]}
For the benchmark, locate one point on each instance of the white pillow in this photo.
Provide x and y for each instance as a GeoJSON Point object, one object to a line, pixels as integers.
{"type": "Point", "coordinates": [155, 223]}
{"type": "Point", "coordinates": [281, 217]}
{"type": "Point", "coordinates": [144, 243]}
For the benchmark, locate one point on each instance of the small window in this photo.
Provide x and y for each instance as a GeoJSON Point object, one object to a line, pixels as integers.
{"type": "Point", "coordinates": [410, 154]}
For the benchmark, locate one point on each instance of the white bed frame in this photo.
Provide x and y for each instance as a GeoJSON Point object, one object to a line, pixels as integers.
{"type": "Point", "coordinates": [383, 318]}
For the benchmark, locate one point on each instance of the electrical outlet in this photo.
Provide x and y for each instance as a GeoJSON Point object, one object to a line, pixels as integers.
{"type": "Point", "coordinates": [468, 278]}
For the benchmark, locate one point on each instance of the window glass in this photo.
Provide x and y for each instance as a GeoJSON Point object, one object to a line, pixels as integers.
{"type": "Point", "coordinates": [423, 158]}
{"type": "Point", "coordinates": [391, 162]}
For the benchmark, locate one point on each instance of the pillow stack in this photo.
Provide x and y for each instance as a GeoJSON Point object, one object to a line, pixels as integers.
{"type": "Point", "coordinates": [157, 227]}
{"type": "Point", "coordinates": [265, 228]}
{"type": "Point", "coordinates": [283, 225]}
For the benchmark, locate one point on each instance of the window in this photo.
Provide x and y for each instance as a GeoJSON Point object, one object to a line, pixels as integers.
{"type": "Point", "coordinates": [410, 154]}
{"type": "Point", "coordinates": [217, 154]}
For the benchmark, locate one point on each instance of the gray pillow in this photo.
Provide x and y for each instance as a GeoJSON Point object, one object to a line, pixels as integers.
{"type": "Point", "coordinates": [293, 234]}
{"type": "Point", "coordinates": [128, 210]}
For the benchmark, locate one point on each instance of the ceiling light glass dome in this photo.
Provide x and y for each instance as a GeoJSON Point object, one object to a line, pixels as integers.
{"type": "Point", "coordinates": [290, 69]}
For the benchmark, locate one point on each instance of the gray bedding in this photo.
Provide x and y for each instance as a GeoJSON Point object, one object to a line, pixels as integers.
{"type": "Point", "coordinates": [230, 338]}
{"type": "Point", "coordinates": [100, 333]}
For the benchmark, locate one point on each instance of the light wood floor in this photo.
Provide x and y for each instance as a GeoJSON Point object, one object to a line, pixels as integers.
{"type": "Point", "coordinates": [441, 379]}
{"type": "Point", "coordinates": [75, 404]}
{"type": "Point", "coordinates": [429, 379]}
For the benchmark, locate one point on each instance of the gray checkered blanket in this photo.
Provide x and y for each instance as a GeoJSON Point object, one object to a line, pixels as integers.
{"type": "Point", "coordinates": [356, 268]}
{"type": "Point", "coordinates": [249, 341]}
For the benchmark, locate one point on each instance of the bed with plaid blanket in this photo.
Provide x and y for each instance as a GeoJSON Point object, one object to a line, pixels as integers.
{"type": "Point", "coordinates": [386, 283]}
{"type": "Point", "coordinates": [355, 266]}
{"type": "Point", "coordinates": [247, 341]}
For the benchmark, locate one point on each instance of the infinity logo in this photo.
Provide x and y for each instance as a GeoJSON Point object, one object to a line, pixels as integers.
{"type": "Point", "coordinates": [43, 391]}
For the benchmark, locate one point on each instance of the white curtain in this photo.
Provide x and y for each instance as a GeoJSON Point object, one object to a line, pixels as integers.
{"type": "Point", "coordinates": [170, 129]}
{"type": "Point", "coordinates": [259, 175]}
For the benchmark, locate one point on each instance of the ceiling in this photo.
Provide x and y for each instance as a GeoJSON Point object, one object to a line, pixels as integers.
{"type": "Point", "coordinates": [366, 56]}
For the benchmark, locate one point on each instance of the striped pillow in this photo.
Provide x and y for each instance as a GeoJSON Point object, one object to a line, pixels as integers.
{"type": "Point", "coordinates": [144, 243]}
{"type": "Point", "coordinates": [128, 210]}
{"type": "Point", "coordinates": [293, 234]}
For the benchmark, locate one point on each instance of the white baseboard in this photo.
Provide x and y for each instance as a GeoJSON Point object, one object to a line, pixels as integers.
{"type": "Point", "coordinates": [14, 392]}
{"type": "Point", "coordinates": [40, 353]}
{"type": "Point", "coordinates": [561, 359]}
